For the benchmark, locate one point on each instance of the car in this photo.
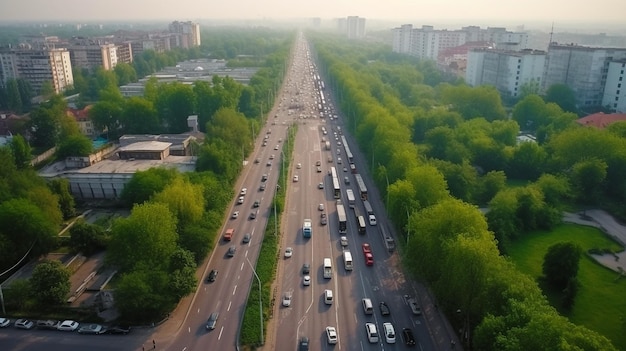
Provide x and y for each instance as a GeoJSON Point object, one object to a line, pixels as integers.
{"type": "Point", "coordinates": [212, 276]}
{"type": "Point", "coordinates": [4, 322]}
{"type": "Point", "coordinates": [68, 325]}
{"type": "Point", "coordinates": [243, 191]}
{"type": "Point", "coordinates": [235, 215]}
{"type": "Point", "coordinates": [331, 335]}
{"type": "Point", "coordinates": [262, 187]}
{"type": "Point", "coordinates": [318, 163]}
{"type": "Point", "coordinates": [320, 185]}
{"type": "Point", "coordinates": [252, 216]}
{"type": "Point", "coordinates": [323, 219]}
{"type": "Point", "coordinates": [95, 329]}
{"type": "Point", "coordinates": [288, 252]}
{"type": "Point", "coordinates": [407, 335]}
{"type": "Point", "coordinates": [390, 333]}
{"type": "Point", "coordinates": [346, 180]}
{"type": "Point", "coordinates": [372, 219]}
{"type": "Point", "coordinates": [256, 203]}
{"type": "Point", "coordinates": [240, 200]}
{"type": "Point", "coordinates": [306, 268]}
{"type": "Point", "coordinates": [366, 248]}
{"type": "Point", "coordinates": [269, 164]}
{"type": "Point", "coordinates": [304, 344]}
{"type": "Point", "coordinates": [320, 207]}
{"type": "Point", "coordinates": [299, 165]}
{"type": "Point", "coordinates": [345, 169]}
{"type": "Point", "coordinates": [264, 177]}
{"type": "Point", "coordinates": [287, 299]}
{"type": "Point", "coordinates": [266, 137]}
{"type": "Point", "coordinates": [295, 178]}
{"type": "Point", "coordinates": [306, 280]}
{"type": "Point", "coordinates": [338, 151]}
{"type": "Point", "coordinates": [24, 324]}
{"type": "Point", "coordinates": [369, 259]}
{"type": "Point", "coordinates": [257, 160]}
{"type": "Point", "coordinates": [118, 329]}
{"type": "Point", "coordinates": [280, 140]}
{"type": "Point", "coordinates": [319, 169]}
{"type": "Point", "coordinates": [384, 308]}
{"type": "Point", "coordinates": [231, 251]}
{"type": "Point", "coordinates": [272, 156]}
{"type": "Point", "coordinates": [344, 241]}
{"type": "Point", "coordinates": [212, 321]}
{"type": "Point", "coordinates": [415, 307]}
{"type": "Point", "coordinates": [264, 143]}
{"type": "Point", "coordinates": [276, 147]}
{"type": "Point", "coordinates": [47, 324]}
{"type": "Point", "coordinates": [246, 238]}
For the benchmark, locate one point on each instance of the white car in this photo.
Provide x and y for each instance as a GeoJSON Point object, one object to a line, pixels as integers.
{"type": "Point", "coordinates": [299, 165]}
{"type": "Point", "coordinates": [243, 191]}
{"type": "Point", "coordinates": [235, 215]}
{"type": "Point", "coordinates": [24, 324]}
{"type": "Point", "coordinates": [320, 207]}
{"type": "Point", "coordinates": [287, 299]}
{"type": "Point", "coordinates": [4, 322]}
{"type": "Point", "coordinates": [320, 185]}
{"type": "Point", "coordinates": [344, 241]}
{"type": "Point", "coordinates": [390, 333]}
{"type": "Point", "coordinates": [331, 334]}
{"type": "Point", "coordinates": [295, 178]}
{"type": "Point", "coordinates": [288, 252]}
{"type": "Point", "coordinates": [68, 325]}
{"type": "Point", "coordinates": [276, 147]}
{"type": "Point", "coordinates": [240, 200]}
{"type": "Point", "coordinates": [372, 220]}
{"type": "Point", "coordinates": [306, 281]}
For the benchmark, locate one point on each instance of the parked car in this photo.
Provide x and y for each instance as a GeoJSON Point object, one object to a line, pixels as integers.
{"type": "Point", "coordinates": [68, 325]}
{"type": "Point", "coordinates": [95, 329]}
{"type": "Point", "coordinates": [47, 324]}
{"type": "Point", "coordinates": [212, 276]}
{"type": "Point", "coordinates": [212, 321]}
{"type": "Point", "coordinates": [24, 324]}
{"type": "Point", "coordinates": [4, 322]}
{"type": "Point", "coordinates": [118, 329]}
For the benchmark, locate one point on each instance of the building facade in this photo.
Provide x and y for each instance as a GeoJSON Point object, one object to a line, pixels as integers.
{"type": "Point", "coordinates": [37, 66]}
{"type": "Point", "coordinates": [614, 97]}
{"type": "Point", "coordinates": [355, 27]}
{"type": "Point", "coordinates": [187, 34]}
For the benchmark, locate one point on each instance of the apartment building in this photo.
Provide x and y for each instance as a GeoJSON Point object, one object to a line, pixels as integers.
{"type": "Point", "coordinates": [91, 55]}
{"type": "Point", "coordinates": [355, 27]}
{"type": "Point", "coordinates": [508, 71]}
{"type": "Point", "coordinates": [186, 34]}
{"type": "Point", "coordinates": [585, 70]}
{"type": "Point", "coordinates": [402, 38]}
{"type": "Point", "coordinates": [615, 88]}
{"type": "Point", "coordinates": [37, 66]}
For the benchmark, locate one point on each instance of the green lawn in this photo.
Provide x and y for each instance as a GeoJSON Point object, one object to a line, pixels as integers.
{"type": "Point", "coordinates": [600, 304]}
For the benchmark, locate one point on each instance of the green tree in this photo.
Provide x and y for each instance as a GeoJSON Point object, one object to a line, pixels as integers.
{"type": "Point", "coordinates": [529, 161]}
{"type": "Point", "coordinates": [47, 89]}
{"type": "Point", "coordinates": [175, 103]}
{"type": "Point", "coordinates": [147, 238]}
{"type": "Point", "coordinates": [14, 98]}
{"type": "Point", "coordinates": [45, 126]}
{"type": "Point", "coordinates": [185, 201]}
{"type": "Point", "coordinates": [26, 92]}
{"type": "Point", "coordinates": [560, 263]}
{"type": "Point", "coordinates": [87, 238]}
{"type": "Point", "coordinates": [18, 294]}
{"type": "Point", "coordinates": [563, 96]}
{"type": "Point", "coordinates": [142, 295]}
{"type": "Point", "coordinates": [140, 117]}
{"type": "Point", "coordinates": [75, 145]}
{"type": "Point", "coordinates": [21, 152]}
{"type": "Point", "coordinates": [145, 184]}
{"type": "Point", "coordinates": [556, 189]}
{"type": "Point", "coordinates": [50, 283]}
{"type": "Point", "coordinates": [61, 188]}
{"type": "Point", "coordinates": [106, 116]}
{"type": "Point", "coordinates": [125, 73]}
{"type": "Point", "coordinates": [475, 102]}
{"type": "Point", "coordinates": [195, 239]}
{"type": "Point", "coordinates": [587, 178]}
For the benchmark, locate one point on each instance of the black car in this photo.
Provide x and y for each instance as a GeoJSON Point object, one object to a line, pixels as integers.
{"type": "Point", "coordinates": [407, 335]}
{"type": "Point", "coordinates": [119, 329]}
{"type": "Point", "coordinates": [304, 343]}
{"type": "Point", "coordinates": [212, 276]}
{"type": "Point", "coordinates": [306, 268]}
{"type": "Point", "coordinates": [384, 309]}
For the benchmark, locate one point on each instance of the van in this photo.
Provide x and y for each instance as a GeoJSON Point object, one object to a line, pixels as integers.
{"type": "Point", "coordinates": [372, 332]}
{"type": "Point", "coordinates": [347, 260]}
{"type": "Point", "coordinates": [328, 297]}
{"type": "Point", "coordinates": [368, 308]}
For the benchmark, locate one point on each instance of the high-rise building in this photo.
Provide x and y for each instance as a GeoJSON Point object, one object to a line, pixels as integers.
{"type": "Point", "coordinates": [91, 55]}
{"type": "Point", "coordinates": [402, 38]}
{"type": "Point", "coordinates": [355, 27]}
{"type": "Point", "coordinates": [615, 88]}
{"type": "Point", "coordinates": [508, 71]}
{"type": "Point", "coordinates": [37, 66]}
{"type": "Point", "coordinates": [187, 34]}
{"type": "Point", "coordinates": [583, 69]}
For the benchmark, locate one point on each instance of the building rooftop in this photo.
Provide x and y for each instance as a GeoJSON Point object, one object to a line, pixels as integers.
{"type": "Point", "coordinates": [145, 146]}
{"type": "Point", "coordinates": [182, 163]}
{"type": "Point", "coordinates": [601, 120]}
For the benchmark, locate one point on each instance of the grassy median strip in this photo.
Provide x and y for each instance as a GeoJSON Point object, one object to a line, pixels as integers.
{"type": "Point", "coordinates": [267, 262]}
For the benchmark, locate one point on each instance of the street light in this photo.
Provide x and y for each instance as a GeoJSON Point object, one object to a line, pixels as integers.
{"type": "Point", "coordinates": [260, 300]}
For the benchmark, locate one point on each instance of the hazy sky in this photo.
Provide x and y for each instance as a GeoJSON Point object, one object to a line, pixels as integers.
{"type": "Point", "coordinates": [405, 11]}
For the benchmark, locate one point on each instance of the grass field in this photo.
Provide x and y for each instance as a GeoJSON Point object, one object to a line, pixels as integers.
{"type": "Point", "coordinates": [600, 304]}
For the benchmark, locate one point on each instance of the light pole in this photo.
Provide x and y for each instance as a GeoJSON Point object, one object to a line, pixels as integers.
{"type": "Point", "coordinates": [260, 299]}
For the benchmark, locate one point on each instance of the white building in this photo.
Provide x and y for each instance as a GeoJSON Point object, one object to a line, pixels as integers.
{"type": "Point", "coordinates": [355, 27]}
{"type": "Point", "coordinates": [615, 88]}
{"type": "Point", "coordinates": [37, 66]}
{"type": "Point", "coordinates": [188, 34]}
{"type": "Point", "coordinates": [508, 71]}
{"type": "Point", "coordinates": [402, 38]}
{"type": "Point", "coordinates": [583, 69]}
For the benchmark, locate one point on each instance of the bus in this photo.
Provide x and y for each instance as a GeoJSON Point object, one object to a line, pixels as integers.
{"type": "Point", "coordinates": [328, 268]}
{"type": "Point", "coordinates": [351, 199]}
{"type": "Point", "coordinates": [347, 148]}
{"type": "Point", "coordinates": [347, 260]}
{"type": "Point", "coordinates": [341, 215]}
{"type": "Point", "coordinates": [362, 187]}
{"type": "Point", "coordinates": [336, 186]}
{"type": "Point", "coordinates": [361, 223]}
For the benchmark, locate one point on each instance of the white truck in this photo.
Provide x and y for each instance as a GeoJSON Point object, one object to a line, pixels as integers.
{"type": "Point", "coordinates": [328, 268]}
{"type": "Point", "coordinates": [307, 228]}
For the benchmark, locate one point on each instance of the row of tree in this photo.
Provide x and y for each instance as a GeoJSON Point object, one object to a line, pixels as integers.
{"type": "Point", "coordinates": [432, 147]}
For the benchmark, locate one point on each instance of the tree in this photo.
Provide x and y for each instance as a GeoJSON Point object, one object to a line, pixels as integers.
{"type": "Point", "coordinates": [145, 184]}
{"type": "Point", "coordinates": [61, 187]}
{"type": "Point", "coordinates": [185, 201]}
{"type": "Point", "coordinates": [563, 96]}
{"type": "Point", "coordinates": [587, 178]}
{"type": "Point", "coordinates": [21, 152]}
{"type": "Point", "coordinates": [14, 98]}
{"type": "Point", "coordinates": [140, 117]}
{"type": "Point", "coordinates": [106, 116]}
{"type": "Point", "coordinates": [125, 73]}
{"type": "Point", "coordinates": [475, 102]}
{"type": "Point", "coordinates": [560, 264]}
{"type": "Point", "coordinates": [47, 89]}
{"type": "Point", "coordinates": [45, 126]}
{"type": "Point", "coordinates": [50, 283]}
{"type": "Point", "coordinates": [142, 295]}
{"type": "Point", "coordinates": [529, 161]}
{"type": "Point", "coordinates": [75, 145]}
{"type": "Point", "coordinates": [87, 238]}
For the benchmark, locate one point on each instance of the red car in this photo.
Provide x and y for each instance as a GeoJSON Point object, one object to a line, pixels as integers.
{"type": "Point", "coordinates": [369, 259]}
{"type": "Point", "coordinates": [366, 248]}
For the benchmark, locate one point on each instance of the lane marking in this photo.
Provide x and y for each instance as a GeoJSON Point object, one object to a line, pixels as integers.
{"type": "Point", "coordinates": [229, 304]}
{"type": "Point", "coordinates": [235, 290]}
{"type": "Point", "coordinates": [220, 335]}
